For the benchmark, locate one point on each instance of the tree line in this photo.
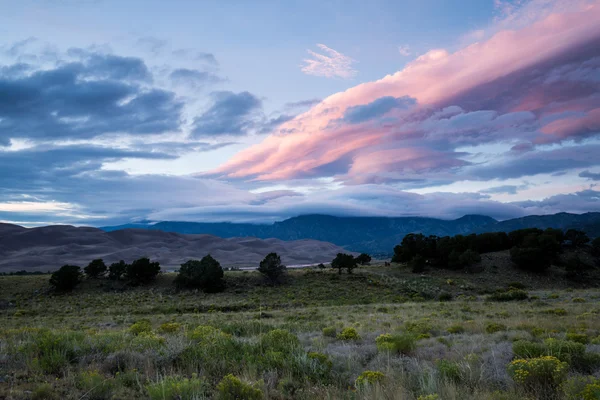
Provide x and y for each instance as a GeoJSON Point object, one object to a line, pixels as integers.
{"type": "Point", "coordinates": [205, 274]}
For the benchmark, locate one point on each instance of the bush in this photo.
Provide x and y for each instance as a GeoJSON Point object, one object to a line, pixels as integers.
{"type": "Point", "coordinates": [576, 237]}
{"type": "Point", "coordinates": [511, 295]}
{"type": "Point", "coordinates": [205, 274]}
{"type": "Point", "coordinates": [445, 296]}
{"type": "Point", "coordinates": [494, 327]}
{"type": "Point", "coordinates": [142, 271]}
{"type": "Point", "coordinates": [363, 259]}
{"type": "Point", "coordinates": [456, 329]}
{"type": "Point", "coordinates": [95, 269]}
{"type": "Point", "coordinates": [329, 331]}
{"type": "Point", "coordinates": [178, 388]}
{"type": "Point", "coordinates": [578, 337]}
{"type": "Point", "coordinates": [207, 334]}
{"type": "Point", "coordinates": [576, 269]}
{"type": "Point", "coordinates": [44, 391]}
{"type": "Point", "coordinates": [417, 264]}
{"type": "Point", "coordinates": [66, 278]}
{"type": "Point", "coordinates": [369, 378]}
{"type": "Point", "coordinates": [541, 376]}
{"type": "Point", "coordinates": [141, 326]}
{"type": "Point", "coordinates": [117, 270]}
{"type": "Point", "coordinates": [404, 343]}
{"type": "Point", "coordinates": [348, 334]}
{"type": "Point", "coordinates": [280, 340]}
{"type": "Point", "coordinates": [95, 385]}
{"type": "Point", "coordinates": [582, 388]}
{"type": "Point", "coordinates": [344, 261]}
{"type": "Point", "coordinates": [169, 327]}
{"type": "Point", "coordinates": [232, 388]}
{"type": "Point", "coordinates": [449, 370]}
{"type": "Point", "coordinates": [271, 267]}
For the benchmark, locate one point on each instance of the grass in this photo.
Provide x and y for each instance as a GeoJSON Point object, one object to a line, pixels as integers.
{"type": "Point", "coordinates": [255, 340]}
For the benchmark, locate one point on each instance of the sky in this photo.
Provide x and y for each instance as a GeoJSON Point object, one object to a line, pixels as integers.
{"type": "Point", "coordinates": [143, 110]}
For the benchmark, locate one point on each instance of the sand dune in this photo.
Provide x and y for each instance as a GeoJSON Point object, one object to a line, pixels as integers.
{"type": "Point", "coordinates": [47, 248]}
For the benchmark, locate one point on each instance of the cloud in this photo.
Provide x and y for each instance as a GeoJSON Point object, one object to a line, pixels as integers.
{"type": "Point", "coordinates": [330, 63]}
{"type": "Point", "coordinates": [590, 175]}
{"type": "Point", "coordinates": [504, 189]}
{"type": "Point", "coordinates": [195, 55]}
{"type": "Point", "coordinates": [230, 114]}
{"type": "Point", "coordinates": [193, 77]}
{"type": "Point", "coordinates": [468, 105]}
{"type": "Point", "coordinates": [404, 50]}
{"type": "Point", "coordinates": [302, 103]}
{"type": "Point", "coordinates": [84, 100]}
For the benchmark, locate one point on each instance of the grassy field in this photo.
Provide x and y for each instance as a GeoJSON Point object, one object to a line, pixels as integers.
{"type": "Point", "coordinates": [380, 333]}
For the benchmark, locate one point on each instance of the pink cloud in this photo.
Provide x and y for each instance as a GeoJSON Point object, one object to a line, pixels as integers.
{"type": "Point", "coordinates": [492, 91]}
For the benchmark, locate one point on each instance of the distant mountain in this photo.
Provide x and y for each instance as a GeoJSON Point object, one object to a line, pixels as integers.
{"type": "Point", "coordinates": [374, 235]}
{"type": "Point", "coordinates": [49, 247]}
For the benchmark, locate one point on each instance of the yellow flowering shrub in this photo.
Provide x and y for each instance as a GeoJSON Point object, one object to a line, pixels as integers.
{"type": "Point", "coordinates": [541, 375]}
{"type": "Point", "coordinates": [369, 378]}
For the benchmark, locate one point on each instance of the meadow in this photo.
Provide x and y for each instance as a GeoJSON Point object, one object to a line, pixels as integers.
{"type": "Point", "coordinates": [379, 333]}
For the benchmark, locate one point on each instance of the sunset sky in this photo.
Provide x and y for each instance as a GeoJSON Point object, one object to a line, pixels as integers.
{"type": "Point", "coordinates": [120, 111]}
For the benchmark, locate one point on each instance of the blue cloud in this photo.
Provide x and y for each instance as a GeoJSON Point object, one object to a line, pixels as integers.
{"type": "Point", "coordinates": [376, 109]}
{"type": "Point", "coordinates": [230, 114]}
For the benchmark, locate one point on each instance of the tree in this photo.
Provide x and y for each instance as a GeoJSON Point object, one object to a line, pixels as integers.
{"type": "Point", "coordinates": [66, 278]}
{"type": "Point", "coordinates": [596, 247]}
{"type": "Point", "coordinates": [577, 238]}
{"type": "Point", "coordinates": [142, 271]}
{"type": "Point", "coordinates": [417, 264]}
{"type": "Point", "coordinates": [576, 268]}
{"type": "Point", "coordinates": [342, 261]}
{"type": "Point", "coordinates": [117, 270]}
{"type": "Point", "coordinates": [363, 259]}
{"type": "Point", "coordinates": [271, 267]}
{"type": "Point", "coordinates": [205, 274]}
{"type": "Point", "coordinates": [95, 269]}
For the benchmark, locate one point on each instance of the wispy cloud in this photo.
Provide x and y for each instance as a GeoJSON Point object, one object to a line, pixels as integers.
{"type": "Point", "coordinates": [329, 63]}
{"type": "Point", "coordinates": [404, 50]}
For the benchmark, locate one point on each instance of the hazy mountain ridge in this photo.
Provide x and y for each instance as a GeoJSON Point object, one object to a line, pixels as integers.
{"type": "Point", "coordinates": [375, 235]}
{"type": "Point", "coordinates": [49, 247]}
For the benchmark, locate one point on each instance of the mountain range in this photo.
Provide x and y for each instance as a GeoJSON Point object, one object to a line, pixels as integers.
{"type": "Point", "coordinates": [374, 235]}
{"type": "Point", "coordinates": [49, 247]}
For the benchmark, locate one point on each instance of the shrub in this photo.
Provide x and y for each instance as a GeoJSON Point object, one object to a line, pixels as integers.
{"type": "Point", "coordinates": [369, 378]}
{"type": "Point", "coordinates": [141, 326]}
{"type": "Point", "coordinates": [363, 259]}
{"type": "Point", "coordinates": [576, 269]}
{"type": "Point", "coordinates": [271, 267]}
{"type": "Point", "coordinates": [456, 329]}
{"type": "Point", "coordinates": [206, 333]}
{"type": "Point", "coordinates": [344, 261]}
{"type": "Point", "coordinates": [403, 344]}
{"type": "Point", "coordinates": [117, 270]}
{"type": "Point", "coordinates": [329, 331]}
{"type": "Point", "coordinates": [169, 327]}
{"type": "Point", "coordinates": [232, 388]}
{"type": "Point", "coordinates": [449, 370]}
{"type": "Point", "coordinates": [417, 264]}
{"type": "Point", "coordinates": [178, 388]}
{"type": "Point", "coordinates": [66, 278]}
{"type": "Point", "coordinates": [576, 237]}
{"type": "Point", "coordinates": [348, 334]}
{"type": "Point", "coordinates": [44, 391]}
{"type": "Point", "coordinates": [469, 258]}
{"type": "Point", "coordinates": [541, 376]}
{"type": "Point", "coordinates": [510, 295]}
{"type": "Point", "coordinates": [596, 247]}
{"type": "Point", "coordinates": [418, 327]}
{"type": "Point", "coordinates": [527, 349]}
{"type": "Point", "coordinates": [578, 337]}
{"type": "Point", "coordinates": [322, 360]}
{"type": "Point", "coordinates": [280, 340]}
{"type": "Point", "coordinates": [142, 271]}
{"type": "Point", "coordinates": [517, 285]}
{"type": "Point", "coordinates": [95, 269]}
{"type": "Point", "coordinates": [582, 388]}
{"type": "Point", "coordinates": [205, 274]}
{"type": "Point", "coordinates": [445, 296]}
{"type": "Point", "coordinates": [578, 300]}
{"type": "Point", "coordinates": [494, 327]}
{"type": "Point", "coordinates": [95, 385]}
{"type": "Point", "coordinates": [433, 396]}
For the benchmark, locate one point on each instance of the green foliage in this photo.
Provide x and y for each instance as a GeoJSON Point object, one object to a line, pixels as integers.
{"type": "Point", "coordinates": [280, 340]}
{"type": "Point", "coordinates": [542, 376]}
{"type": "Point", "coordinates": [95, 385]}
{"type": "Point", "coordinates": [178, 388]}
{"type": "Point", "coordinates": [456, 329]}
{"type": "Point", "coordinates": [363, 259]}
{"type": "Point", "coordinates": [494, 327]}
{"type": "Point", "coordinates": [404, 343]}
{"type": "Point", "coordinates": [344, 261]}
{"type": "Point", "coordinates": [578, 337]}
{"type": "Point", "coordinates": [206, 333]}
{"type": "Point", "coordinates": [232, 388]}
{"type": "Point", "coordinates": [445, 296]}
{"type": "Point", "coordinates": [369, 378]}
{"type": "Point", "coordinates": [142, 271]}
{"type": "Point", "coordinates": [51, 352]}
{"type": "Point", "coordinates": [576, 269]}
{"type": "Point", "coordinates": [329, 331]}
{"type": "Point", "coordinates": [117, 270]}
{"type": "Point", "coordinates": [66, 278]}
{"type": "Point", "coordinates": [577, 238]}
{"type": "Point", "coordinates": [449, 370]}
{"type": "Point", "coordinates": [169, 327]}
{"type": "Point", "coordinates": [271, 267]}
{"type": "Point", "coordinates": [582, 388]}
{"type": "Point", "coordinates": [205, 274]}
{"type": "Point", "coordinates": [348, 334]}
{"type": "Point", "coordinates": [95, 269]}
{"type": "Point", "coordinates": [535, 251]}
{"type": "Point", "coordinates": [141, 326]}
{"type": "Point", "coordinates": [596, 247]}
{"type": "Point", "coordinates": [44, 391]}
{"type": "Point", "coordinates": [510, 295]}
